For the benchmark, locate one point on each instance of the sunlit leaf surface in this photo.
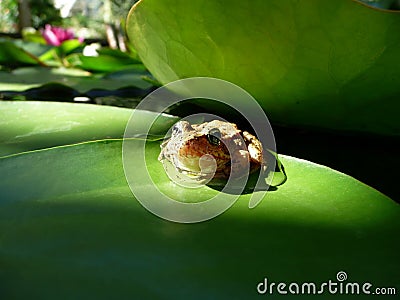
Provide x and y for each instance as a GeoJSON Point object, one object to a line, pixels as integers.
{"type": "Point", "coordinates": [34, 125]}
{"type": "Point", "coordinates": [69, 224]}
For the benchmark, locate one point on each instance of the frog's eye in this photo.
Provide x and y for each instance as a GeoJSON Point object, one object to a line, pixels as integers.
{"type": "Point", "coordinates": [214, 136]}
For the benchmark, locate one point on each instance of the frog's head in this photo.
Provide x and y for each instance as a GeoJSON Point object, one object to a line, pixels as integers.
{"type": "Point", "coordinates": [211, 147]}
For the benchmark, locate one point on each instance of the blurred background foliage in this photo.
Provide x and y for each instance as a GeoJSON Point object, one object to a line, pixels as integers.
{"type": "Point", "coordinates": [8, 16]}
{"type": "Point", "coordinates": [43, 12]}
{"type": "Point", "coordinates": [104, 64]}
{"type": "Point", "coordinates": [88, 17]}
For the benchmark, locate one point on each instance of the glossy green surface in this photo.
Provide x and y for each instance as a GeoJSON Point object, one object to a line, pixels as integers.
{"type": "Point", "coordinates": [82, 81]}
{"type": "Point", "coordinates": [70, 226]}
{"type": "Point", "coordinates": [324, 64]}
{"type": "Point", "coordinates": [12, 56]}
{"type": "Point", "coordinates": [108, 60]}
{"type": "Point", "coordinates": [34, 125]}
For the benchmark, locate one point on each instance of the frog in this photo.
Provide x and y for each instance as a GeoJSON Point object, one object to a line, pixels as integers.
{"type": "Point", "coordinates": [191, 146]}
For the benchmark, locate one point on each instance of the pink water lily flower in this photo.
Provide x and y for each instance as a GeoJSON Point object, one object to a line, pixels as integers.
{"type": "Point", "coordinates": [56, 35]}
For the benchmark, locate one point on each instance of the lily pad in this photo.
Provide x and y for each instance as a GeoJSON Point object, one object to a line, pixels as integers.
{"type": "Point", "coordinates": [13, 56]}
{"type": "Point", "coordinates": [325, 64]}
{"type": "Point", "coordinates": [104, 63]}
{"type": "Point", "coordinates": [70, 225]}
{"type": "Point", "coordinates": [23, 79]}
{"type": "Point", "coordinates": [34, 48]}
{"type": "Point", "coordinates": [35, 125]}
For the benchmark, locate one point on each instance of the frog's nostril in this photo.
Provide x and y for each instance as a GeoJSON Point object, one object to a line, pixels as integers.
{"type": "Point", "coordinates": [176, 130]}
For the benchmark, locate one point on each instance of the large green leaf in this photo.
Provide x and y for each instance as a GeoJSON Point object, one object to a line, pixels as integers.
{"type": "Point", "coordinates": [70, 226]}
{"type": "Point", "coordinates": [34, 125]}
{"type": "Point", "coordinates": [23, 79]}
{"type": "Point", "coordinates": [326, 64]}
{"type": "Point", "coordinates": [108, 60]}
{"type": "Point", "coordinates": [34, 48]}
{"type": "Point", "coordinates": [13, 56]}
{"type": "Point", "coordinates": [102, 63]}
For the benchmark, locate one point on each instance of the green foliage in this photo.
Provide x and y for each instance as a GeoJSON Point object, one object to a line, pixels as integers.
{"type": "Point", "coordinates": [36, 69]}
{"type": "Point", "coordinates": [69, 222]}
{"type": "Point", "coordinates": [121, 8]}
{"type": "Point", "coordinates": [319, 64]}
{"type": "Point", "coordinates": [24, 124]}
{"type": "Point", "coordinates": [8, 16]}
{"type": "Point", "coordinates": [13, 56]}
{"type": "Point", "coordinates": [55, 80]}
{"type": "Point", "coordinates": [44, 12]}
{"type": "Point", "coordinates": [109, 60]}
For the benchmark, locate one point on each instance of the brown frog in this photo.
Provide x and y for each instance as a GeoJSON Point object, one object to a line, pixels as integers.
{"type": "Point", "coordinates": [201, 149]}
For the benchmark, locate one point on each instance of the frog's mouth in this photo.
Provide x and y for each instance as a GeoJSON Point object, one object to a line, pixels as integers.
{"type": "Point", "coordinates": [204, 166]}
{"type": "Point", "coordinates": [184, 176]}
